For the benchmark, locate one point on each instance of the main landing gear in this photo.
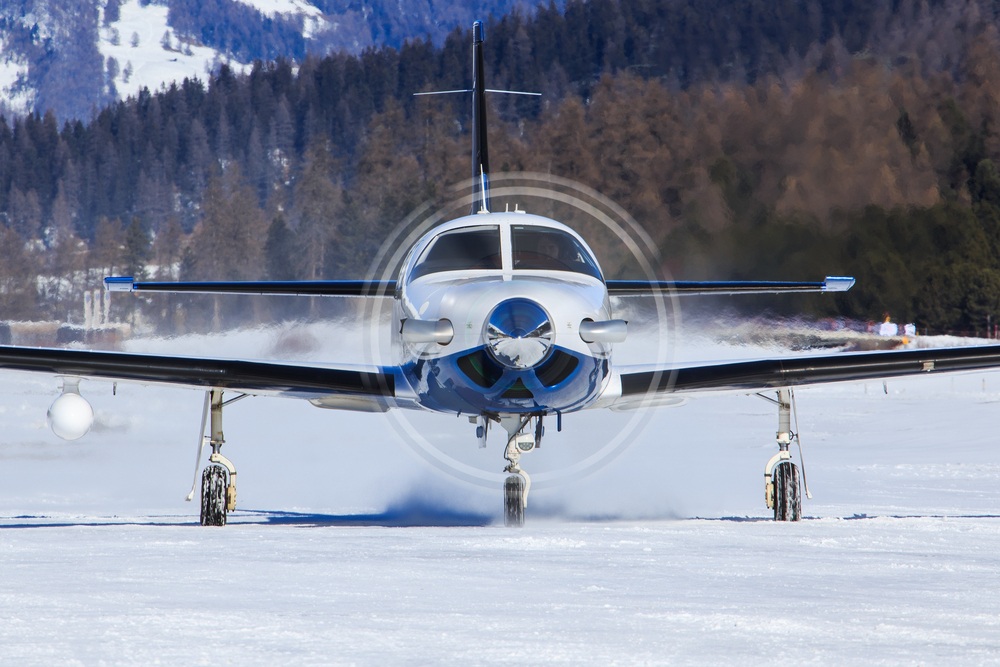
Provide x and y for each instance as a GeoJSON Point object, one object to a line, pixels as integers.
{"type": "Point", "coordinates": [218, 480]}
{"type": "Point", "coordinates": [782, 490]}
{"type": "Point", "coordinates": [524, 433]}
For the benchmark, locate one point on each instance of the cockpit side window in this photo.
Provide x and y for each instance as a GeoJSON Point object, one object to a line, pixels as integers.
{"type": "Point", "coordinates": [465, 249]}
{"type": "Point", "coordinates": [550, 249]}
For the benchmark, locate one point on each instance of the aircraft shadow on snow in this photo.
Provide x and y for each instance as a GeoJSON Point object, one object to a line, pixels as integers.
{"type": "Point", "coordinates": [402, 515]}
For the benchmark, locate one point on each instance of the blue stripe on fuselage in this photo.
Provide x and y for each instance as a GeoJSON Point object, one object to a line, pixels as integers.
{"type": "Point", "coordinates": [441, 385]}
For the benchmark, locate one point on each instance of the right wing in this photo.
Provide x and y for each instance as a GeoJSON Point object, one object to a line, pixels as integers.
{"type": "Point", "coordinates": [263, 287]}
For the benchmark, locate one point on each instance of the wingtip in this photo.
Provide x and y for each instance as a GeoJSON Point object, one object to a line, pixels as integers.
{"type": "Point", "coordinates": [838, 283]}
{"type": "Point", "coordinates": [119, 284]}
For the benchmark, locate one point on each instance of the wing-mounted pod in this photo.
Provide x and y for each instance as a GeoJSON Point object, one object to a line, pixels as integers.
{"type": "Point", "coordinates": [70, 416]}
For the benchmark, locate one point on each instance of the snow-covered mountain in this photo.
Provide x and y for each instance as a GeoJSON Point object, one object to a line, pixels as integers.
{"type": "Point", "coordinates": [73, 56]}
{"type": "Point", "coordinates": [140, 50]}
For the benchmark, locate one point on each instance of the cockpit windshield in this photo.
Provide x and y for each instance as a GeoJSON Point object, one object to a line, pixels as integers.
{"type": "Point", "coordinates": [550, 249]}
{"type": "Point", "coordinates": [468, 248]}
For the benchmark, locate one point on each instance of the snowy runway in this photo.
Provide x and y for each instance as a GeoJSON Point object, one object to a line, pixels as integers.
{"type": "Point", "coordinates": [350, 548]}
{"type": "Point", "coordinates": [149, 591]}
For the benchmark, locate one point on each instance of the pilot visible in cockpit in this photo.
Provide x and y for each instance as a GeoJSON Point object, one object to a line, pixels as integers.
{"type": "Point", "coordinates": [549, 246]}
{"type": "Point", "coordinates": [545, 249]}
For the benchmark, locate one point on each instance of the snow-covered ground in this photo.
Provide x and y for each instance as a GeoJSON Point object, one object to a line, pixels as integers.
{"type": "Point", "coordinates": [351, 548]}
{"type": "Point", "coordinates": [13, 70]}
{"type": "Point", "coordinates": [150, 54]}
{"type": "Point", "coordinates": [311, 17]}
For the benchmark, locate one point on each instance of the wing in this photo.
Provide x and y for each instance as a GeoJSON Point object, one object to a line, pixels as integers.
{"type": "Point", "coordinates": [366, 389]}
{"type": "Point", "coordinates": [694, 288]}
{"type": "Point", "coordinates": [638, 387]}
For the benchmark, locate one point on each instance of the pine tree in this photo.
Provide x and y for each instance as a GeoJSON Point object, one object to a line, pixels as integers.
{"type": "Point", "coordinates": [317, 209]}
{"type": "Point", "coordinates": [18, 295]}
{"type": "Point", "coordinates": [228, 243]}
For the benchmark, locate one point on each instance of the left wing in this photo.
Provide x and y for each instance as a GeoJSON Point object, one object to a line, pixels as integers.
{"type": "Point", "coordinates": [636, 386]}
{"type": "Point", "coordinates": [363, 388]}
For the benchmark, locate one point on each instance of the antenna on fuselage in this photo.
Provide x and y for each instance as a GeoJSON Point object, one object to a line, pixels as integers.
{"type": "Point", "coordinates": [480, 150]}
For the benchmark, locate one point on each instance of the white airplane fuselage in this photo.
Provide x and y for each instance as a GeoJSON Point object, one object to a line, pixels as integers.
{"type": "Point", "coordinates": [490, 308]}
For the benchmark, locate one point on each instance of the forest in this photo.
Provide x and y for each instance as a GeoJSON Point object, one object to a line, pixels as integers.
{"type": "Point", "coordinates": [771, 140]}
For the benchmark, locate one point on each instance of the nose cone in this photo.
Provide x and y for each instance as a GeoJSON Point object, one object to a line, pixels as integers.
{"type": "Point", "coordinates": [519, 333]}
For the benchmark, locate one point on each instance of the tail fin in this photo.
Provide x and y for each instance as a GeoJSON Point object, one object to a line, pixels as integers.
{"type": "Point", "coordinates": [480, 151]}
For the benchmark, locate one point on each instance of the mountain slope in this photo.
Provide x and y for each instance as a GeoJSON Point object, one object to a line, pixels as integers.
{"type": "Point", "coordinates": [73, 56]}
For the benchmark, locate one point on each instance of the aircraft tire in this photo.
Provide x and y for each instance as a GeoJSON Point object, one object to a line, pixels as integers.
{"type": "Point", "coordinates": [787, 499]}
{"type": "Point", "coordinates": [214, 480]}
{"type": "Point", "coordinates": [513, 501]}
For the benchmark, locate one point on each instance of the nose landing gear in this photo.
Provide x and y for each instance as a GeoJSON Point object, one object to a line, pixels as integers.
{"type": "Point", "coordinates": [521, 439]}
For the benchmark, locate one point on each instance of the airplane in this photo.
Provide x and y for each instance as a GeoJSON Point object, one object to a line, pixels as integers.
{"type": "Point", "coordinates": [504, 317]}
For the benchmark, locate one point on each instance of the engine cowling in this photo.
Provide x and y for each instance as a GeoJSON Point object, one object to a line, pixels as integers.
{"type": "Point", "coordinates": [70, 416]}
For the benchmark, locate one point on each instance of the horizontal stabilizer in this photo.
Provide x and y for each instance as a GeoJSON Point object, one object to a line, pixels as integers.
{"type": "Point", "coordinates": [263, 288]}
{"type": "Point", "coordinates": [469, 90]}
{"type": "Point", "coordinates": [723, 287]}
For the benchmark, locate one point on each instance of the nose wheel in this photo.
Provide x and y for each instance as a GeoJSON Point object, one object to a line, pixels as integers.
{"type": "Point", "coordinates": [515, 498]}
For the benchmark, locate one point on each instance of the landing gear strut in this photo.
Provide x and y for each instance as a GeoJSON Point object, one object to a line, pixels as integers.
{"type": "Point", "coordinates": [218, 480]}
{"type": "Point", "coordinates": [522, 437]}
{"type": "Point", "coordinates": [781, 476]}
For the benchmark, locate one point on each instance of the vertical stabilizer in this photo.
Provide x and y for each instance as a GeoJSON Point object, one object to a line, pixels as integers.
{"type": "Point", "coordinates": [480, 153]}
